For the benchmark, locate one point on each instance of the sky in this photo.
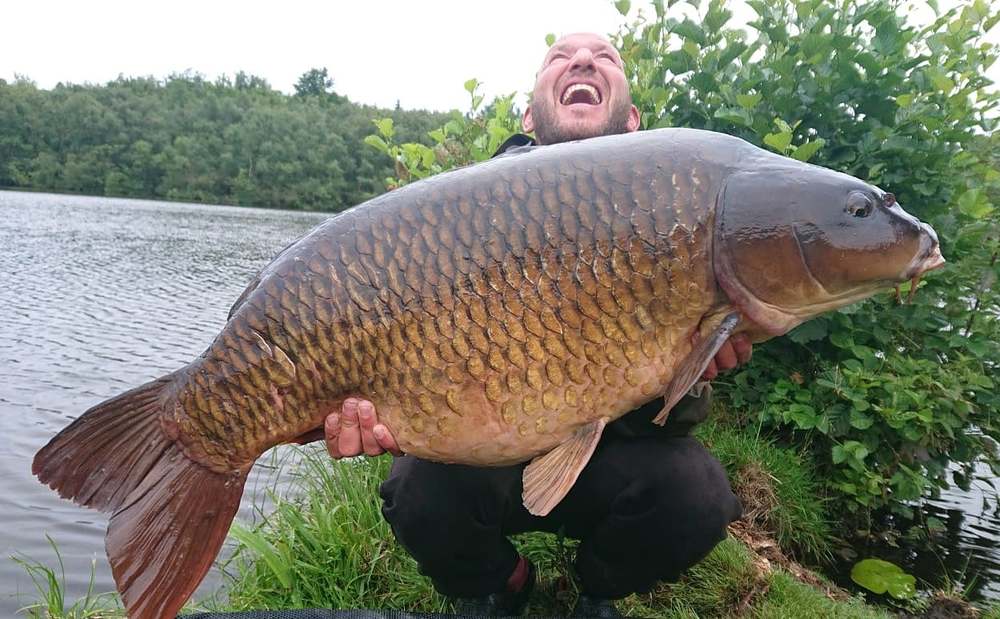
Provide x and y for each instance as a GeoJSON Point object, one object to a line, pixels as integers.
{"type": "Point", "coordinates": [419, 53]}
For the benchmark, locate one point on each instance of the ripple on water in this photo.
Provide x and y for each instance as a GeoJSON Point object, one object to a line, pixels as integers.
{"type": "Point", "coordinates": [106, 294]}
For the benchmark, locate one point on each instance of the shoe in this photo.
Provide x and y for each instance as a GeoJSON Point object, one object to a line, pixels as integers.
{"type": "Point", "coordinates": [503, 604]}
{"type": "Point", "coordinates": [587, 606]}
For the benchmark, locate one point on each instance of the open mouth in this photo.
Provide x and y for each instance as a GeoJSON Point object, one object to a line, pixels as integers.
{"type": "Point", "coordinates": [580, 93]}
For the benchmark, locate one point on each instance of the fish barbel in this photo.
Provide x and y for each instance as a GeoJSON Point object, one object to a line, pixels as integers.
{"type": "Point", "coordinates": [496, 314]}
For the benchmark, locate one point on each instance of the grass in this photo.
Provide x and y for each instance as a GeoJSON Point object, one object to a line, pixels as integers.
{"type": "Point", "coordinates": [778, 488]}
{"type": "Point", "coordinates": [51, 601]}
{"type": "Point", "coordinates": [325, 544]}
{"type": "Point", "coordinates": [331, 548]}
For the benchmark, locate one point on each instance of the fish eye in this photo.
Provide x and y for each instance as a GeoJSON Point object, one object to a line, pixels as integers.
{"type": "Point", "coordinates": [859, 204]}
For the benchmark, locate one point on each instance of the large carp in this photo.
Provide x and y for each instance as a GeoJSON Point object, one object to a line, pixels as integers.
{"type": "Point", "coordinates": [495, 314]}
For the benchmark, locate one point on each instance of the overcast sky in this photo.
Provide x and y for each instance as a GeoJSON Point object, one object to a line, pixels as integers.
{"type": "Point", "coordinates": [378, 52]}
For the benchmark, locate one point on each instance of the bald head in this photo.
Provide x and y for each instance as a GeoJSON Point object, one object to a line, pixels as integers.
{"type": "Point", "coordinates": [580, 92]}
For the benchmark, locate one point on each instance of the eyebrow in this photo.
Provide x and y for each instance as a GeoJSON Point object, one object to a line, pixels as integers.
{"type": "Point", "coordinates": [603, 47]}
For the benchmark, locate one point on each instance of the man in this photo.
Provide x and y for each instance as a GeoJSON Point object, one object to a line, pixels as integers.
{"type": "Point", "coordinates": [651, 502]}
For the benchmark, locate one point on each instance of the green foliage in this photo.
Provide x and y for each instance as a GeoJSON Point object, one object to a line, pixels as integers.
{"type": "Point", "coordinates": [235, 141]}
{"type": "Point", "coordinates": [881, 576]}
{"type": "Point", "coordinates": [464, 139]}
{"type": "Point", "coordinates": [884, 395]}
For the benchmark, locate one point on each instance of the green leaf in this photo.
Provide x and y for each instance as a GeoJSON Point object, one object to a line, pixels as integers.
{"type": "Point", "coordinates": [971, 203]}
{"type": "Point", "coordinates": [881, 577]}
{"type": "Point", "coordinates": [778, 141]}
{"type": "Point", "coordinates": [471, 85]}
{"type": "Point", "coordinates": [940, 81]}
{"type": "Point", "coordinates": [808, 332]}
{"type": "Point", "coordinates": [690, 48]}
{"type": "Point", "coordinates": [842, 340]}
{"type": "Point", "coordinates": [377, 142]}
{"type": "Point", "coordinates": [550, 39]}
{"type": "Point", "coordinates": [385, 127]}
{"type": "Point", "coordinates": [860, 420]}
{"type": "Point", "coordinates": [805, 151]}
{"type": "Point", "coordinates": [749, 101]}
{"type": "Point", "coordinates": [691, 31]}
{"type": "Point", "coordinates": [733, 115]}
{"type": "Point", "coordinates": [622, 6]}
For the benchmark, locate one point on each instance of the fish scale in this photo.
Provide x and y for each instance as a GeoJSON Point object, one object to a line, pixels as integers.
{"type": "Point", "coordinates": [496, 314]}
{"type": "Point", "coordinates": [568, 261]}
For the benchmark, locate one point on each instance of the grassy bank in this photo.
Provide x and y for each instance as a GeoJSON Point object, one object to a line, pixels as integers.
{"type": "Point", "coordinates": [331, 547]}
{"type": "Point", "coordinates": [327, 545]}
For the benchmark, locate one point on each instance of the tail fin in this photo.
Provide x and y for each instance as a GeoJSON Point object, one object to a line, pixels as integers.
{"type": "Point", "coordinates": [170, 514]}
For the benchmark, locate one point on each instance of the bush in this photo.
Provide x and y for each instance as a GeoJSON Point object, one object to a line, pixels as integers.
{"type": "Point", "coordinates": [885, 394]}
{"type": "Point", "coordinates": [894, 400]}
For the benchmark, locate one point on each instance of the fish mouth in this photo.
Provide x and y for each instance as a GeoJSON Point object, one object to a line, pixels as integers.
{"type": "Point", "coordinates": [929, 261]}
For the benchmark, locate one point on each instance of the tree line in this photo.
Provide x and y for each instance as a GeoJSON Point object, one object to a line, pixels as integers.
{"type": "Point", "coordinates": [234, 140]}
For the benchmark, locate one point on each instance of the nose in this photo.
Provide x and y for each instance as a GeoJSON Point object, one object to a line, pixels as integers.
{"type": "Point", "coordinates": [582, 59]}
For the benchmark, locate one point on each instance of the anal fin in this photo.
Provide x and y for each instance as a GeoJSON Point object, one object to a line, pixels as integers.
{"type": "Point", "coordinates": [694, 364]}
{"type": "Point", "coordinates": [549, 477]}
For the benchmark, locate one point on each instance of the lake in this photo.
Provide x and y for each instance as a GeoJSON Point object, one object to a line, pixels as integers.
{"type": "Point", "coordinates": [100, 295]}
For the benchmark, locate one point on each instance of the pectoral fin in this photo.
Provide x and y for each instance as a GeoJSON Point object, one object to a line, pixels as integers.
{"type": "Point", "coordinates": [548, 478]}
{"type": "Point", "coordinates": [694, 364]}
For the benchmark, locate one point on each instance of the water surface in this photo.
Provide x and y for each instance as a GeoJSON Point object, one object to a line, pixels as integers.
{"type": "Point", "coordinates": [98, 296]}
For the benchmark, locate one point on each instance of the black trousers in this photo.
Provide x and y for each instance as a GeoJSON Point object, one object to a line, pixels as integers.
{"type": "Point", "coordinates": [645, 509]}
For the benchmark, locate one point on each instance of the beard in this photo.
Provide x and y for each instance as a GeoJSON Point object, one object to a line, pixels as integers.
{"type": "Point", "coordinates": [548, 129]}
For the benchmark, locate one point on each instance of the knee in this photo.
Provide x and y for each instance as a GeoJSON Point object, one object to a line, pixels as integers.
{"type": "Point", "coordinates": [424, 500]}
{"type": "Point", "coordinates": [687, 487]}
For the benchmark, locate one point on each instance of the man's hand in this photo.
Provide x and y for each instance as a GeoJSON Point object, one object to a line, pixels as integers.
{"type": "Point", "coordinates": [355, 430]}
{"type": "Point", "coordinates": [736, 351]}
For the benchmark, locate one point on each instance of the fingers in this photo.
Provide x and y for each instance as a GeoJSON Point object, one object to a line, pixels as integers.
{"type": "Point", "coordinates": [331, 430]}
{"type": "Point", "coordinates": [725, 359]}
{"type": "Point", "coordinates": [743, 347]}
{"type": "Point", "coordinates": [736, 351]}
{"type": "Point", "coordinates": [349, 443]}
{"type": "Point", "coordinates": [386, 440]}
{"type": "Point", "coordinates": [366, 415]}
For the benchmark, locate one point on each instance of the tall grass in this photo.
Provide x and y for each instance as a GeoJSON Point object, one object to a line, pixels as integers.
{"type": "Point", "coordinates": [327, 545]}
{"type": "Point", "coordinates": [51, 586]}
{"type": "Point", "coordinates": [778, 486]}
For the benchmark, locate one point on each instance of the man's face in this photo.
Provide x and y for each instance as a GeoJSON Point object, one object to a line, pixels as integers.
{"type": "Point", "coordinates": [580, 92]}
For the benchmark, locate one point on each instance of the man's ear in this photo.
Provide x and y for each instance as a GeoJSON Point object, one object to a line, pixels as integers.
{"type": "Point", "coordinates": [632, 124]}
{"type": "Point", "coordinates": [527, 122]}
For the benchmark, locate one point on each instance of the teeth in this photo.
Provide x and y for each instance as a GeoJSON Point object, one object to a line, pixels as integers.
{"type": "Point", "coordinates": [573, 88]}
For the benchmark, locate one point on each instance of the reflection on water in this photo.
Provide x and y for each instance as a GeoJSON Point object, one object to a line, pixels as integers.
{"type": "Point", "coordinates": [965, 549]}
{"type": "Point", "coordinates": [99, 296]}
